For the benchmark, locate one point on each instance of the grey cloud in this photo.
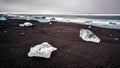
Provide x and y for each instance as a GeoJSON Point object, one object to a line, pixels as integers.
{"type": "Point", "coordinates": [61, 6]}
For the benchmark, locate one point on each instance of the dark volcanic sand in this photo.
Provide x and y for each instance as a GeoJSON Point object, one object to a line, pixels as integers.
{"type": "Point", "coordinates": [73, 52]}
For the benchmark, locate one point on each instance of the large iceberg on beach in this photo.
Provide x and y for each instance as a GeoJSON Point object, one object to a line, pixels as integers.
{"type": "Point", "coordinates": [88, 35]}
{"type": "Point", "coordinates": [42, 50]}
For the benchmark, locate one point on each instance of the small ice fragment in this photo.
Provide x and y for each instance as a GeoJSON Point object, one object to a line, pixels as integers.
{"type": "Point", "coordinates": [58, 30]}
{"type": "Point", "coordinates": [28, 18]}
{"type": "Point", "coordinates": [111, 35]}
{"type": "Point", "coordinates": [52, 19]}
{"type": "Point", "coordinates": [41, 20]}
{"type": "Point", "coordinates": [88, 22]}
{"type": "Point", "coordinates": [22, 33]}
{"type": "Point", "coordinates": [116, 38]}
{"type": "Point", "coordinates": [89, 26]}
{"type": "Point", "coordinates": [50, 23]}
{"type": "Point", "coordinates": [27, 24]}
{"type": "Point", "coordinates": [88, 35]}
{"type": "Point", "coordinates": [112, 23]}
{"type": "Point", "coordinates": [42, 50]}
{"type": "Point", "coordinates": [5, 31]}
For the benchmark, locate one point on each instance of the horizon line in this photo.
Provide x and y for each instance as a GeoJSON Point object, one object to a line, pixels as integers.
{"type": "Point", "coordinates": [61, 14]}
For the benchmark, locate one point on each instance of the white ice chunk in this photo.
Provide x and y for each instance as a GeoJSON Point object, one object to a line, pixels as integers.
{"type": "Point", "coordinates": [42, 50]}
{"type": "Point", "coordinates": [88, 35]}
{"type": "Point", "coordinates": [88, 22]}
{"type": "Point", "coordinates": [89, 26]}
{"type": "Point", "coordinates": [5, 31]}
{"type": "Point", "coordinates": [50, 23]}
{"type": "Point", "coordinates": [26, 24]}
{"type": "Point", "coordinates": [116, 38]}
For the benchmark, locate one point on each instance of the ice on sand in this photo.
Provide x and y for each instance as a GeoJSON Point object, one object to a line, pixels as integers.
{"type": "Point", "coordinates": [116, 38]}
{"type": "Point", "coordinates": [112, 23]}
{"type": "Point", "coordinates": [27, 24]}
{"type": "Point", "coordinates": [88, 22]}
{"type": "Point", "coordinates": [42, 50]}
{"type": "Point", "coordinates": [88, 35]}
{"type": "Point", "coordinates": [2, 17]}
{"type": "Point", "coordinates": [41, 20]}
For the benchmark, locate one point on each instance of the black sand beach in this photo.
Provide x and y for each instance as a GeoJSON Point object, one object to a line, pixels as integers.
{"type": "Point", "coordinates": [73, 52]}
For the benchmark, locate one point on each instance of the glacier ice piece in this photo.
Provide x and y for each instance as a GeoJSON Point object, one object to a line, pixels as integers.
{"type": "Point", "coordinates": [42, 50]}
{"type": "Point", "coordinates": [116, 38]}
{"type": "Point", "coordinates": [89, 26]}
{"type": "Point", "coordinates": [41, 20]}
{"type": "Point", "coordinates": [88, 22]}
{"type": "Point", "coordinates": [26, 24]}
{"type": "Point", "coordinates": [52, 19]}
{"type": "Point", "coordinates": [112, 23]}
{"type": "Point", "coordinates": [2, 17]}
{"type": "Point", "coordinates": [88, 35]}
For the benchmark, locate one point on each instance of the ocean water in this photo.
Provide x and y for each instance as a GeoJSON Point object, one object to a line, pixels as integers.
{"type": "Point", "coordinates": [87, 18]}
{"type": "Point", "coordinates": [83, 18]}
{"type": "Point", "coordinates": [112, 22]}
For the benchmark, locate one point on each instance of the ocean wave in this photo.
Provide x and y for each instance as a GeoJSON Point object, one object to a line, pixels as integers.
{"type": "Point", "coordinates": [105, 23]}
{"type": "Point", "coordinates": [80, 20]}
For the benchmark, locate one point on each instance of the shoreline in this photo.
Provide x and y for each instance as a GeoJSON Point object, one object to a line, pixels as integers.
{"type": "Point", "coordinates": [101, 25]}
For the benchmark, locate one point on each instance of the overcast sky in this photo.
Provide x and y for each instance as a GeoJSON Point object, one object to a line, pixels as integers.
{"type": "Point", "coordinates": [61, 6]}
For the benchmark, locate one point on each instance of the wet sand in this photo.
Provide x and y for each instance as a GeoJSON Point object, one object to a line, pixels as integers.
{"type": "Point", "coordinates": [73, 52]}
